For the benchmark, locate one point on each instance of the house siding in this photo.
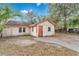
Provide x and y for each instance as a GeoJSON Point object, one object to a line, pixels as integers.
{"type": "Point", "coordinates": [14, 31]}
{"type": "Point", "coordinates": [45, 25]}
{"type": "Point", "coordinates": [45, 28]}
{"type": "Point", "coordinates": [34, 32]}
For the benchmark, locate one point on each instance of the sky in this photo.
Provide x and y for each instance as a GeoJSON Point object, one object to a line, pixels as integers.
{"type": "Point", "coordinates": [40, 9]}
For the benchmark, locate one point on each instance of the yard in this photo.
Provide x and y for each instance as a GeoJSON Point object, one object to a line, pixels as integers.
{"type": "Point", "coordinates": [26, 46]}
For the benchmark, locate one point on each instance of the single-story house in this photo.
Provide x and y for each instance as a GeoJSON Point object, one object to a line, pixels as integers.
{"type": "Point", "coordinates": [15, 29]}
{"type": "Point", "coordinates": [43, 28]}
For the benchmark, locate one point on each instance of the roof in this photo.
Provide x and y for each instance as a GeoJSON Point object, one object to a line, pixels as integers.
{"type": "Point", "coordinates": [42, 22]}
{"type": "Point", "coordinates": [15, 23]}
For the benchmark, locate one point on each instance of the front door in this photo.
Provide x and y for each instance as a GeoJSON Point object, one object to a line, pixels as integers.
{"type": "Point", "coordinates": [40, 31]}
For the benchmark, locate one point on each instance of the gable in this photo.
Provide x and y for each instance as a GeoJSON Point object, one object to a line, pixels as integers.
{"type": "Point", "coordinates": [42, 22]}
{"type": "Point", "coordinates": [46, 23]}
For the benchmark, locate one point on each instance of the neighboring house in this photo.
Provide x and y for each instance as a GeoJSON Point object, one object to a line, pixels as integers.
{"type": "Point", "coordinates": [43, 28]}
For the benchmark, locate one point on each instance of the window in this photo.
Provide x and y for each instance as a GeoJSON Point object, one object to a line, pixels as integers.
{"type": "Point", "coordinates": [23, 29]}
{"type": "Point", "coordinates": [49, 29]}
{"type": "Point", "coordinates": [20, 29]}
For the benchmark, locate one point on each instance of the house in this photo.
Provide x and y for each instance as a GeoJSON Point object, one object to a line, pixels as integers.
{"type": "Point", "coordinates": [43, 28]}
{"type": "Point", "coordinates": [16, 28]}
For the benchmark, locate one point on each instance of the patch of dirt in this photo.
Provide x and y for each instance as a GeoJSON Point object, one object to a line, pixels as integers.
{"type": "Point", "coordinates": [38, 49]}
{"type": "Point", "coordinates": [25, 46]}
{"type": "Point", "coordinates": [24, 42]}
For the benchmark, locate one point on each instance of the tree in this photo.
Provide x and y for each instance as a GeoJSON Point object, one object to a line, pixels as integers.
{"type": "Point", "coordinates": [5, 14]}
{"type": "Point", "coordinates": [40, 18]}
{"type": "Point", "coordinates": [63, 12]}
{"type": "Point", "coordinates": [74, 22]}
{"type": "Point", "coordinates": [31, 16]}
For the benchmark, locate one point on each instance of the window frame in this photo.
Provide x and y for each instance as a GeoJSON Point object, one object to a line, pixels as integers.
{"type": "Point", "coordinates": [20, 29]}
{"type": "Point", "coordinates": [24, 29]}
{"type": "Point", "coordinates": [49, 29]}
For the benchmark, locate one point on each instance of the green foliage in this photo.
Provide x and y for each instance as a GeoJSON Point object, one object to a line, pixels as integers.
{"type": "Point", "coordinates": [61, 11]}
{"type": "Point", "coordinates": [5, 13]}
{"type": "Point", "coordinates": [2, 27]}
{"type": "Point", "coordinates": [74, 22]}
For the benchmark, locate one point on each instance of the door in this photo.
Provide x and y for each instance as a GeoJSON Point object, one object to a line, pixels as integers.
{"type": "Point", "coordinates": [40, 31]}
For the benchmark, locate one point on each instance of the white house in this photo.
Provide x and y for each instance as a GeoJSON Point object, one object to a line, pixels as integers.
{"type": "Point", "coordinates": [43, 28]}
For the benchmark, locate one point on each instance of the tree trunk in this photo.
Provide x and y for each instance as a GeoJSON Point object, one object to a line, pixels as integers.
{"type": "Point", "coordinates": [65, 25]}
{"type": "Point", "coordinates": [1, 36]}
{"type": "Point", "coordinates": [65, 21]}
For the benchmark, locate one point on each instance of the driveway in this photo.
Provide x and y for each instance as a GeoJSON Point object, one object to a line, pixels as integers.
{"type": "Point", "coordinates": [70, 41]}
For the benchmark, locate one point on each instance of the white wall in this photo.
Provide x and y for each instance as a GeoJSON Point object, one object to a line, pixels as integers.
{"type": "Point", "coordinates": [14, 31]}
{"type": "Point", "coordinates": [7, 32]}
{"type": "Point", "coordinates": [33, 33]}
{"type": "Point", "coordinates": [45, 28]}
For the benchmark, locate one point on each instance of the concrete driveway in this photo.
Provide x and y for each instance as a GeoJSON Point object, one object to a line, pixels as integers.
{"type": "Point", "coordinates": [70, 41]}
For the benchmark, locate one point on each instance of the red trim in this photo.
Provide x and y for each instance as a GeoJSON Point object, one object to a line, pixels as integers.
{"type": "Point", "coordinates": [40, 31]}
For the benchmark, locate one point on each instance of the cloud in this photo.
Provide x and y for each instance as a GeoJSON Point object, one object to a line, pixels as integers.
{"type": "Point", "coordinates": [24, 11]}
{"type": "Point", "coordinates": [38, 4]}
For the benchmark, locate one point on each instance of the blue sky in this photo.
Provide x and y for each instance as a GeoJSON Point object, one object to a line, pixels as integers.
{"type": "Point", "coordinates": [40, 9]}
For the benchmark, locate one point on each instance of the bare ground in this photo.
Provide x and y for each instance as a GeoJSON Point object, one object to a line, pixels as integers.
{"type": "Point", "coordinates": [16, 46]}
